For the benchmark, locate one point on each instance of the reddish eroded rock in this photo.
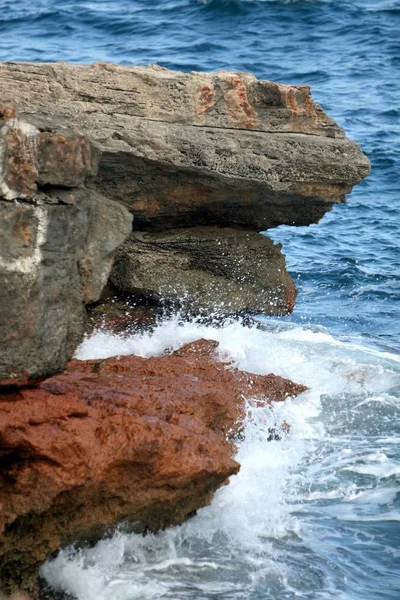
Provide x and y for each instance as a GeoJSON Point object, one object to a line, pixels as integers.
{"type": "Point", "coordinates": [30, 157]}
{"type": "Point", "coordinates": [291, 296]}
{"type": "Point", "coordinates": [206, 99]}
{"type": "Point", "coordinates": [18, 163]}
{"type": "Point", "coordinates": [132, 320]}
{"type": "Point", "coordinates": [235, 92]}
{"type": "Point", "coordinates": [123, 439]}
{"type": "Point", "coordinates": [122, 314]}
{"type": "Point", "coordinates": [65, 160]}
{"type": "Point", "coordinates": [305, 114]}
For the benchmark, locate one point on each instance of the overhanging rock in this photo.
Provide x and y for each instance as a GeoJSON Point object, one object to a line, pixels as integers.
{"type": "Point", "coordinates": [184, 149]}
{"type": "Point", "coordinates": [79, 145]}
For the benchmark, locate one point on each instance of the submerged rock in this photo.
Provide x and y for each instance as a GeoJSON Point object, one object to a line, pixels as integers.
{"type": "Point", "coordinates": [208, 269]}
{"type": "Point", "coordinates": [143, 441]}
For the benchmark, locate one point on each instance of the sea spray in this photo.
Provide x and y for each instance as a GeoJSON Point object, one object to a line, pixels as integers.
{"type": "Point", "coordinates": [302, 511]}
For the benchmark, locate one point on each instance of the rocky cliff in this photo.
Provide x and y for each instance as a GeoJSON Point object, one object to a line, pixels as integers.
{"type": "Point", "coordinates": [57, 240]}
{"type": "Point", "coordinates": [184, 149]}
{"type": "Point", "coordinates": [191, 156]}
{"type": "Point", "coordinates": [201, 163]}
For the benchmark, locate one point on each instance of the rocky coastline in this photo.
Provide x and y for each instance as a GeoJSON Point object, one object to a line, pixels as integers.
{"type": "Point", "coordinates": [157, 183]}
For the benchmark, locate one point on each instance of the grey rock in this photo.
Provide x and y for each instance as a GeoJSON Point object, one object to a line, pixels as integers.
{"type": "Point", "coordinates": [177, 150]}
{"type": "Point", "coordinates": [54, 257]}
{"type": "Point", "coordinates": [195, 149]}
{"type": "Point", "coordinates": [109, 225]}
{"type": "Point", "coordinates": [56, 245]}
{"type": "Point", "coordinates": [30, 158]}
{"type": "Point", "coordinates": [206, 269]}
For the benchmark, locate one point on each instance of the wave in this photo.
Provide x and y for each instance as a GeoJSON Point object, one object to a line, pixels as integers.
{"type": "Point", "coordinates": [273, 532]}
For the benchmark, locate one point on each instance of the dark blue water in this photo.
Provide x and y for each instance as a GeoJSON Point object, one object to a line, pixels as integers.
{"type": "Point", "coordinates": [346, 544]}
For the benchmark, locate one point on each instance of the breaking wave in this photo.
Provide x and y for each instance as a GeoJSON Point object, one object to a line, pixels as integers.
{"type": "Point", "coordinates": [304, 517]}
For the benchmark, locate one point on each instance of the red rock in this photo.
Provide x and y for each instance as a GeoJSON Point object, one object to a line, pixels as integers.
{"type": "Point", "coordinates": [123, 439]}
{"type": "Point", "coordinates": [32, 157]}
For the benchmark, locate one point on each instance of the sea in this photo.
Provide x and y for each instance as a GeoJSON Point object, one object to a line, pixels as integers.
{"type": "Point", "coordinates": [315, 516]}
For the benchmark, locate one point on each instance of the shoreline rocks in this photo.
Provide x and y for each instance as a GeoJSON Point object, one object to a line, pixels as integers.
{"type": "Point", "coordinates": [206, 269]}
{"type": "Point", "coordinates": [219, 156]}
{"type": "Point", "coordinates": [189, 149]}
{"type": "Point", "coordinates": [56, 247]}
{"type": "Point", "coordinates": [134, 440]}
{"type": "Point", "coordinates": [201, 163]}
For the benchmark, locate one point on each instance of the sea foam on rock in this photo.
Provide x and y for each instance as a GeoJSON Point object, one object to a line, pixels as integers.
{"type": "Point", "coordinates": [202, 162]}
{"type": "Point", "coordinates": [134, 440]}
{"type": "Point", "coordinates": [215, 269]}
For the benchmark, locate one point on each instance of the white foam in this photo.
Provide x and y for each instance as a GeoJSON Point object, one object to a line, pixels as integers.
{"type": "Point", "coordinates": [231, 546]}
{"type": "Point", "coordinates": [306, 356]}
{"type": "Point", "coordinates": [379, 496]}
{"type": "Point", "coordinates": [376, 470]}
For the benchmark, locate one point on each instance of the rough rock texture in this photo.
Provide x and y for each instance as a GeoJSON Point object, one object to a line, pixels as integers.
{"type": "Point", "coordinates": [178, 150]}
{"type": "Point", "coordinates": [135, 440]}
{"type": "Point", "coordinates": [130, 439]}
{"type": "Point", "coordinates": [194, 149]}
{"type": "Point", "coordinates": [30, 158]}
{"type": "Point", "coordinates": [214, 269]}
{"type": "Point", "coordinates": [122, 316]}
{"type": "Point", "coordinates": [56, 247]}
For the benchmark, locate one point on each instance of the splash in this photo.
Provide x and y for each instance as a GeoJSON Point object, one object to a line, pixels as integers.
{"type": "Point", "coordinates": [270, 533]}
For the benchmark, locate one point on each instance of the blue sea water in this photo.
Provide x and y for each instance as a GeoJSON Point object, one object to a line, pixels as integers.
{"type": "Point", "coordinates": [347, 268]}
{"type": "Point", "coordinates": [335, 525]}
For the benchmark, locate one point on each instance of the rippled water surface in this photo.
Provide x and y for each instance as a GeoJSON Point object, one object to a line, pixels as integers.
{"type": "Point", "coordinates": [315, 516]}
{"type": "Point", "coordinates": [347, 267]}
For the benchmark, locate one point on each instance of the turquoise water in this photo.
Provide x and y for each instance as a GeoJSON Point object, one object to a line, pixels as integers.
{"type": "Point", "coordinates": [316, 516]}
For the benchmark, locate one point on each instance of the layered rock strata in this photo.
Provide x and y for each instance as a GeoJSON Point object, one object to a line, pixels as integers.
{"type": "Point", "coordinates": [180, 150]}
{"type": "Point", "coordinates": [202, 162]}
{"type": "Point", "coordinates": [57, 241]}
{"type": "Point", "coordinates": [225, 270]}
{"type": "Point", "coordinates": [143, 441]}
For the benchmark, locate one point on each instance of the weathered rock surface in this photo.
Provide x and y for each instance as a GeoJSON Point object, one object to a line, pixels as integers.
{"type": "Point", "coordinates": [226, 270]}
{"type": "Point", "coordinates": [130, 439]}
{"type": "Point", "coordinates": [122, 314]}
{"type": "Point", "coordinates": [56, 247]}
{"type": "Point", "coordinates": [30, 157]}
{"type": "Point", "coordinates": [194, 149]}
{"type": "Point", "coordinates": [191, 156]}
{"type": "Point", "coordinates": [178, 150]}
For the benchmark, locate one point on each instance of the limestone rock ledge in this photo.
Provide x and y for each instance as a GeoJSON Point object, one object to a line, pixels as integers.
{"type": "Point", "coordinates": [178, 151]}
{"type": "Point", "coordinates": [202, 162]}
{"type": "Point", "coordinates": [184, 149]}
{"type": "Point", "coordinates": [134, 440]}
